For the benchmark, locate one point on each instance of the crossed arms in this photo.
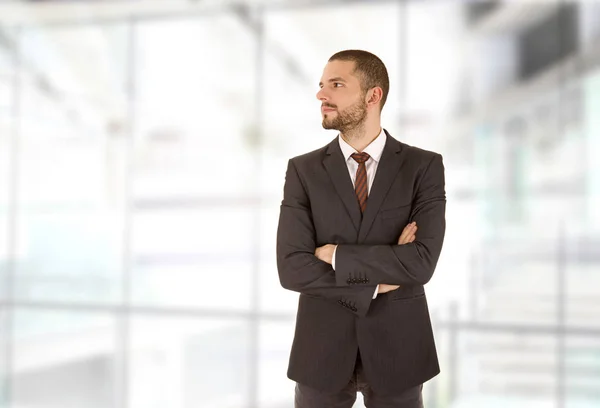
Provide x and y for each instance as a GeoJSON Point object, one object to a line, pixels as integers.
{"type": "Point", "coordinates": [411, 263]}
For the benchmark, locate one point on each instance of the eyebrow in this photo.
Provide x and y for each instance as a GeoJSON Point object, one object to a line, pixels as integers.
{"type": "Point", "coordinates": [336, 79]}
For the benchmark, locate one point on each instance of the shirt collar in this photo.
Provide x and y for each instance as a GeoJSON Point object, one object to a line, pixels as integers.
{"type": "Point", "coordinates": [374, 149]}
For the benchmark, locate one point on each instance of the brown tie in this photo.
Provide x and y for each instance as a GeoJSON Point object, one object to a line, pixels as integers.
{"type": "Point", "coordinates": [360, 185]}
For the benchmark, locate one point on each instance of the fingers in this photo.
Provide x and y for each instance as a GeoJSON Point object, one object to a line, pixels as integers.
{"type": "Point", "coordinates": [318, 252]}
{"type": "Point", "coordinates": [408, 234]}
{"type": "Point", "coordinates": [385, 288]}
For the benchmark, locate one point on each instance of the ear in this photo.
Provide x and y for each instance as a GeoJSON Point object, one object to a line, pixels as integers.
{"type": "Point", "coordinates": [374, 96]}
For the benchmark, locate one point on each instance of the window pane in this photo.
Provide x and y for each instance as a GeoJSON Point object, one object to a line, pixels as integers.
{"type": "Point", "coordinates": [71, 256]}
{"type": "Point", "coordinates": [195, 129]}
{"type": "Point", "coordinates": [274, 298]}
{"type": "Point", "coordinates": [275, 389]}
{"type": "Point", "coordinates": [71, 162]}
{"type": "Point", "coordinates": [3, 356]}
{"type": "Point", "coordinates": [211, 231]}
{"type": "Point", "coordinates": [7, 129]}
{"type": "Point", "coordinates": [64, 359]}
{"type": "Point", "coordinates": [7, 74]}
{"type": "Point", "coordinates": [189, 363]}
{"type": "Point", "coordinates": [195, 283]}
{"type": "Point", "coordinates": [193, 257]}
{"type": "Point", "coordinates": [5, 197]}
{"type": "Point", "coordinates": [582, 372]}
{"type": "Point", "coordinates": [504, 369]}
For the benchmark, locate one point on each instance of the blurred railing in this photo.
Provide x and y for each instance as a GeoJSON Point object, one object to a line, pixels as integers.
{"type": "Point", "coordinates": [540, 300]}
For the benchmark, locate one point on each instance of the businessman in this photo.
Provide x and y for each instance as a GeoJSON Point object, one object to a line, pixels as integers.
{"type": "Point", "coordinates": [361, 229]}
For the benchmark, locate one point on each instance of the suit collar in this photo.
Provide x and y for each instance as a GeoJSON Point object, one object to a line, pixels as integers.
{"type": "Point", "coordinates": [333, 147]}
{"type": "Point", "coordinates": [336, 167]}
{"type": "Point", "coordinates": [387, 169]}
{"type": "Point", "coordinates": [374, 149]}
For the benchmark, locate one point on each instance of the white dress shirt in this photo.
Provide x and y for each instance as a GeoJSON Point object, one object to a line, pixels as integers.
{"type": "Point", "coordinates": [375, 150]}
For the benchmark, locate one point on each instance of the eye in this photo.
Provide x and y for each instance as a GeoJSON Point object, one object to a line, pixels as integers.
{"type": "Point", "coordinates": [337, 83]}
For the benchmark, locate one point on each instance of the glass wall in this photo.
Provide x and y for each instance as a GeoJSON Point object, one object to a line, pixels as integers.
{"type": "Point", "coordinates": [69, 166]}
{"type": "Point", "coordinates": [142, 161]}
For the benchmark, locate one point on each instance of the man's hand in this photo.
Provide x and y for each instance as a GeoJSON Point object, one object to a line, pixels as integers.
{"type": "Point", "coordinates": [385, 288]}
{"type": "Point", "coordinates": [325, 253]}
{"type": "Point", "coordinates": [407, 236]}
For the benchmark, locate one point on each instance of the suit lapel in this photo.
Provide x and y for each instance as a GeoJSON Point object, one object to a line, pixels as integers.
{"type": "Point", "coordinates": [338, 172]}
{"type": "Point", "coordinates": [387, 169]}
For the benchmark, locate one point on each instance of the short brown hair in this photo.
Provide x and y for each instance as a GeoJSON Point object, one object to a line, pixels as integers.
{"type": "Point", "coordinates": [369, 68]}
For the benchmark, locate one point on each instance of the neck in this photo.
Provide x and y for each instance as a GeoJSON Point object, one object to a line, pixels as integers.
{"type": "Point", "coordinates": [361, 136]}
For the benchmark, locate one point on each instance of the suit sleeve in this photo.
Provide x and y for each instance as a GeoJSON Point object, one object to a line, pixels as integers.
{"type": "Point", "coordinates": [298, 267]}
{"type": "Point", "coordinates": [333, 266]}
{"type": "Point", "coordinates": [409, 264]}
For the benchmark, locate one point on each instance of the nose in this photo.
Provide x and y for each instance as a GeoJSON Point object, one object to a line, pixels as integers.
{"type": "Point", "coordinates": [321, 95]}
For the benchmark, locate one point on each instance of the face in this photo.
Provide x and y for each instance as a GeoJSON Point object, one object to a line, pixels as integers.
{"type": "Point", "coordinates": [343, 103]}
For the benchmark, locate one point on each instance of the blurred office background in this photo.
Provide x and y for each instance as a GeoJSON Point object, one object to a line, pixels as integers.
{"type": "Point", "coordinates": [143, 147]}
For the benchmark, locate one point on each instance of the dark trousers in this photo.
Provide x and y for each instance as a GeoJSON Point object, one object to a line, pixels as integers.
{"type": "Point", "coordinates": [307, 397]}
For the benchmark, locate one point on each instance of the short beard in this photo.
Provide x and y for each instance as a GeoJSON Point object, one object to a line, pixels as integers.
{"type": "Point", "coordinates": [349, 119]}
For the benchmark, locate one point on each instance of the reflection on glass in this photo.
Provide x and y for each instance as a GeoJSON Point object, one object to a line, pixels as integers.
{"type": "Point", "coordinates": [186, 363]}
{"type": "Point", "coordinates": [64, 359]}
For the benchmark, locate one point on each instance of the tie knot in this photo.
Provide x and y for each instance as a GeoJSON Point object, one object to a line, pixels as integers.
{"type": "Point", "coordinates": [360, 157]}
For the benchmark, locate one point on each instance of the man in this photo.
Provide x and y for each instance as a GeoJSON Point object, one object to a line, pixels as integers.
{"type": "Point", "coordinates": [347, 240]}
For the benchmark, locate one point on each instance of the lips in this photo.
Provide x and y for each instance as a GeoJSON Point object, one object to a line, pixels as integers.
{"type": "Point", "coordinates": [326, 109]}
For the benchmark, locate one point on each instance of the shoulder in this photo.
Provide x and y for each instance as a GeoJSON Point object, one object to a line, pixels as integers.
{"type": "Point", "coordinates": [419, 154]}
{"type": "Point", "coordinates": [309, 159]}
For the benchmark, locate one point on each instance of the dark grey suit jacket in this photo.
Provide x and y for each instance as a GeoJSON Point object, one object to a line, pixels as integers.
{"type": "Point", "coordinates": [336, 315]}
